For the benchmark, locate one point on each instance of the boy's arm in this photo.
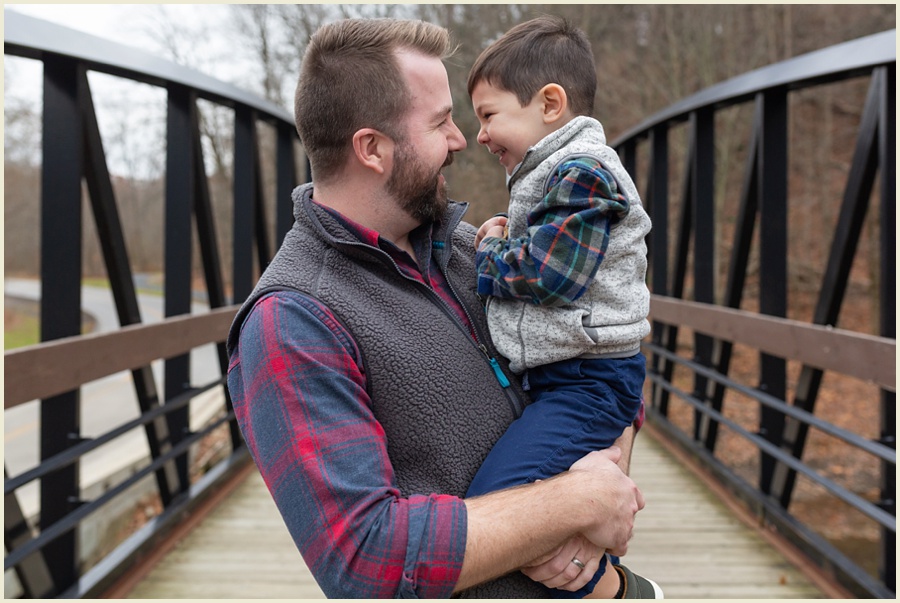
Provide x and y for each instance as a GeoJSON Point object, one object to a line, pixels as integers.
{"type": "Point", "coordinates": [566, 239]}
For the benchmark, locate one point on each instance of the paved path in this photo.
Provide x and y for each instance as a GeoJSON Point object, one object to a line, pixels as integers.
{"type": "Point", "coordinates": [686, 540]}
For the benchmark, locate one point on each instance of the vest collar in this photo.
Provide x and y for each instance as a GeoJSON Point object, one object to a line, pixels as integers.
{"type": "Point", "coordinates": [338, 235]}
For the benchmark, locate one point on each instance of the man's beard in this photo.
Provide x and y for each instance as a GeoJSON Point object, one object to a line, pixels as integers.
{"type": "Point", "coordinates": [418, 190]}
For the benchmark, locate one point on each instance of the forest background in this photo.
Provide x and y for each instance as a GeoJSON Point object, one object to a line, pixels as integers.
{"type": "Point", "coordinates": [647, 56]}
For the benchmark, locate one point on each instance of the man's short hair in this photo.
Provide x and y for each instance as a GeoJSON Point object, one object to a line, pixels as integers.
{"type": "Point", "coordinates": [545, 50]}
{"type": "Point", "coordinates": [350, 79]}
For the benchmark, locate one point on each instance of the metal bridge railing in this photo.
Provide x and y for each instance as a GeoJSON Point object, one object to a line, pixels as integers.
{"type": "Point", "coordinates": [45, 556]}
{"type": "Point", "coordinates": [719, 326]}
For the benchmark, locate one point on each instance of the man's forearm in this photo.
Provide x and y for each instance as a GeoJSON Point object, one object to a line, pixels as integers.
{"type": "Point", "coordinates": [510, 528]}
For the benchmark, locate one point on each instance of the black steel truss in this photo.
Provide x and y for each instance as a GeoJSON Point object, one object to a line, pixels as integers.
{"type": "Point", "coordinates": [763, 216]}
{"type": "Point", "coordinates": [46, 557]}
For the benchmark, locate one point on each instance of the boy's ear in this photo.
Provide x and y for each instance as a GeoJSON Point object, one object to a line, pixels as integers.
{"type": "Point", "coordinates": [372, 149]}
{"type": "Point", "coordinates": [554, 102]}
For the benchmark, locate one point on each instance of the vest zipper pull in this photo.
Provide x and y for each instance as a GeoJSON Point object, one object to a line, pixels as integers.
{"type": "Point", "coordinates": [499, 373]}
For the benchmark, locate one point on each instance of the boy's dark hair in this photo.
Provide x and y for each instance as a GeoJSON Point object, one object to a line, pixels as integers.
{"type": "Point", "coordinates": [541, 51]}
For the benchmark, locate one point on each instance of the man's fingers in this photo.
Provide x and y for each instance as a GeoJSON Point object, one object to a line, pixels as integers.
{"type": "Point", "coordinates": [640, 499]}
{"type": "Point", "coordinates": [541, 560]}
{"type": "Point", "coordinates": [584, 575]}
{"type": "Point", "coordinates": [573, 565]}
{"type": "Point", "coordinates": [613, 452]}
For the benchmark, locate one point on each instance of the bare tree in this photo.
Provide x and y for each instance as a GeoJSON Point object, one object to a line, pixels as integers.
{"type": "Point", "coordinates": [21, 172]}
{"type": "Point", "coordinates": [258, 26]}
{"type": "Point", "coordinates": [21, 121]}
{"type": "Point", "coordinates": [647, 56]}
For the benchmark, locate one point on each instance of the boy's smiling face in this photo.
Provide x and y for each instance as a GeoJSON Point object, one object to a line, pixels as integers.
{"type": "Point", "coordinates": [507, 128]}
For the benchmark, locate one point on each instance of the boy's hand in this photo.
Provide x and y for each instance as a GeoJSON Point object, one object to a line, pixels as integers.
{"type": "Point", "coordinates": [494, 227]}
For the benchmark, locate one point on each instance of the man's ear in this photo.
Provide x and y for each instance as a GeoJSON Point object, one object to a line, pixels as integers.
{"type": "Point", "coordinates": [553, 101]}
{"type": "Point", "coordinates": [372, 149]}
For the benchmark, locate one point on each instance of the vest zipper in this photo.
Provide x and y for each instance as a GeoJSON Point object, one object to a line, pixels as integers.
{"type": "Point", "coordinates": [517, 405]}
{"type": "Point", "coordinates": [501, 377]}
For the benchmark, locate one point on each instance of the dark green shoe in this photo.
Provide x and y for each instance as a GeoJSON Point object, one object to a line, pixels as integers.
{"type": "Point", "coordinates": [637, 587]}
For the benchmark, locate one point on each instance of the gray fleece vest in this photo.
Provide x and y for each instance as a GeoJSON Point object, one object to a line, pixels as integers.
{"type": "Point", "coordinates": [433, 389]}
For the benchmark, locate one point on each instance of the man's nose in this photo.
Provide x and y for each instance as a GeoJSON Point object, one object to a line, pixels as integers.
{"type": "Point", "coordinates": [457, 140]}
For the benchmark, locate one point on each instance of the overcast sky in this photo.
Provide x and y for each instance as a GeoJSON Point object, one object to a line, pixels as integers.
{"type": "Point", "coordinates": [128, 24]}
{"type": "Point", "coordinates": [97, 19]}
{"type": "Point", "coordinates": [133, 24]}
{"type": "Point", "coordinates": [125, 23]}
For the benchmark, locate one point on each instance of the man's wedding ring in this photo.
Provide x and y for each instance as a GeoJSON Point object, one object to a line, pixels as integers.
{"type": "Point", "coordinates": [578, 563]}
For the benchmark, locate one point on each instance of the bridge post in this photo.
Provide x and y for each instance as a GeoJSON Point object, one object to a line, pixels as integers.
{"type": "Point", "coordinates": [658, 208]}
{"type": "Point", "coordinates": [61, 246]}
{"type": "Point", "coordinates": [245, 190]}
{"type": "Point", "coordinates": [887, 147]}
{"type": "Point", "coordinates": [772, 203]}
{"type": "Point", "coordinates": [286, 181]}
{"type": "Point", "coordinates": [263, 246]}
{"type": "Point", "coordinates": [704, 215]}
{"type": "Point", "coordinates": [180, 191]}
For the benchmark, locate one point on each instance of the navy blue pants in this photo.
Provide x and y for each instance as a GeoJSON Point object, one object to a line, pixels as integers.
{"type": "Point", "coordinates": [578, 406]}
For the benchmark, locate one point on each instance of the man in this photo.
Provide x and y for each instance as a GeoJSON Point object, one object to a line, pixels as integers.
{"type": "Point", "coordinates": [362, 375]}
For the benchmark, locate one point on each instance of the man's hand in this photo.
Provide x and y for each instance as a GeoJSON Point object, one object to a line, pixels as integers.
{"type": "Point", "coordinates": [494, 227]}
{"type": "Point", "coordinates": [615, 511]}
{"type": "Point", "coordinates": [555, 569]}
{"type": "Point", "coordinates": [509, 529]}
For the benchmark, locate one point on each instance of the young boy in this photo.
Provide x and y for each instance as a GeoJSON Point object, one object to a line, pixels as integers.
{"type": "Point", "coordinates": [564, 273]}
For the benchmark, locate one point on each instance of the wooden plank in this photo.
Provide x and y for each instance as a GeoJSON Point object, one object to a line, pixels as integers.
{"type": "Point", "coordinates": [47, 369]}
{"type": "Point", "coordinates": [865, 357]}
{"type": "Point", "coordinates": [685, 539]}
{"type": "Point", "coordinates": [241, 551]}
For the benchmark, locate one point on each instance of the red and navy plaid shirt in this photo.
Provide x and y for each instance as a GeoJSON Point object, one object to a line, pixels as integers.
{"type": "Point", "coordinates": [299, 394]}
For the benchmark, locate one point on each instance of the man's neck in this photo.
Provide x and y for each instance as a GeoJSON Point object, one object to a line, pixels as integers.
{"type": "Point", "coordinates": [373, 211]}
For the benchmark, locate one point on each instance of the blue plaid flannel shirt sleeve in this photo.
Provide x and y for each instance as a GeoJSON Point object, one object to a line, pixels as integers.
{"type": "Point", "coordinates": [300, 398]}
{"type": "Point", "coordinates": [566, 239]}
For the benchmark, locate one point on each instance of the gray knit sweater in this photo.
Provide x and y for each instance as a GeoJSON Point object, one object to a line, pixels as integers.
{"type": "Point", "coordinates": [610, 319]}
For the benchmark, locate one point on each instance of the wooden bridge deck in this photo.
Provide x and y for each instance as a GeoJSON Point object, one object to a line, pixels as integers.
{"type": "Point", "coordinates": [686, 539]}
